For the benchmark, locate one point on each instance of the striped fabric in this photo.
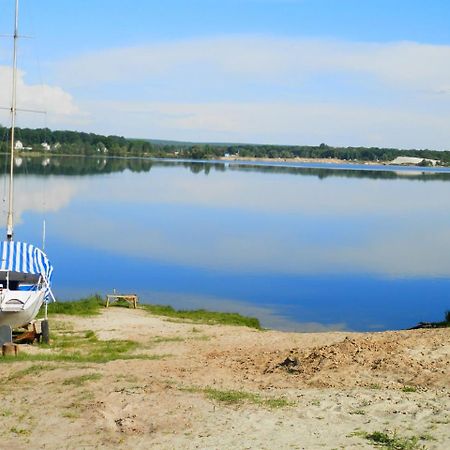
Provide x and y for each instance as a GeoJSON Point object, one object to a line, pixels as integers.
{"type": "Point", "coordinates": [25, 258]}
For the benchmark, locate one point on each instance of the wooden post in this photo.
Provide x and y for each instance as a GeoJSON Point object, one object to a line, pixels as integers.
{"type": "Point", "coordinates": [10, 349]}
{"type": "Point", "coordinates": [45, 330]}
{"type": "Point", "coordinates": [5, 334]}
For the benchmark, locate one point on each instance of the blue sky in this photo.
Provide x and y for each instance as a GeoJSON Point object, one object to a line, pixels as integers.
{"type": "Point", "coordinates": [345, 72]}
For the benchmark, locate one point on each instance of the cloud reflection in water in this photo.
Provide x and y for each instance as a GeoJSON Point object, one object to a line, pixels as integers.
{"type": "Point", "coordinates": [300, 252]}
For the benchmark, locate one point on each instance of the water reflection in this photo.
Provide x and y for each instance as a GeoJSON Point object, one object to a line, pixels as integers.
{"type": "Point", "coordinates": [303, 248]}
{"type": "Point", "coordinates": [81, 165]}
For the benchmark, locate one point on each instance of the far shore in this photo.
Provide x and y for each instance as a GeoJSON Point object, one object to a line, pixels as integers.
{"type": "Point", "coordinates": [303, 160]}
{"type": "Point", "coordinates": [331, 161]}
{"type": "Point", "coordinates": [235, 158]}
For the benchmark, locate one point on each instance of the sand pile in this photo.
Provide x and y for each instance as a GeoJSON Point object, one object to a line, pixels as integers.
{"type": "Point", "coordinates": [385, 359]}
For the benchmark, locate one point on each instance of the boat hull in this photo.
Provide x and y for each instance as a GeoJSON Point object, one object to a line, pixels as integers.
{"type": "Point", "coordinates": [23, 314]}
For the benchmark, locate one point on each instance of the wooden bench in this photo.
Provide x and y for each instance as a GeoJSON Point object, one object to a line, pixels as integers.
{"type": "Point", "coordinates": [132, 299]}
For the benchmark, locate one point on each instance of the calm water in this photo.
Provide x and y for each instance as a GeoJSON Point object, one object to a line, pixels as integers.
{"type": "Point", "coordinates": [302, 248]}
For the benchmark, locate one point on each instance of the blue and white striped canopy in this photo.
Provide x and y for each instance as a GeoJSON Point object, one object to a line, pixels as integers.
{"type": "Point", "coordinates": [25, 258]}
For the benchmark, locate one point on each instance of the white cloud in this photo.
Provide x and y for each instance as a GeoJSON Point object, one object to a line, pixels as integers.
{"type": "Point", "coordinates": [356, 226]}
{"type": "Point", "coordinates": [34, 194]}
{"type": "Point", "coordinates": [252, 89]}
{"type": "Point", "coordinates": [53, 100]}
{"type": "Point", "coordinates": [267, 89]}
{"type": "Point", "coordinates": [275, 122]}
{"type": "Point", "coordinates": [396, 252]}
{"type": "Point", "coordinates": [273, 193]}
{"type": "Point", "coordinates": [401, 63]}
{"type": "Point", "coordinates": [392, 238]}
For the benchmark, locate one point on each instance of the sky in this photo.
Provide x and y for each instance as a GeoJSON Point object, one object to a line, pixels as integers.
{"type": "Point", "coordinates": [343, 72]}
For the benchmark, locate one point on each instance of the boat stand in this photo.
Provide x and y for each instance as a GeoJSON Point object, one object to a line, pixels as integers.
{"type": "Point", "coordinates": [132, 299]}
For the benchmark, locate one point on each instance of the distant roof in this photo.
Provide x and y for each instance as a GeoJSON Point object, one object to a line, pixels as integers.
{"type": "Point", "coordinates": [411, 160]}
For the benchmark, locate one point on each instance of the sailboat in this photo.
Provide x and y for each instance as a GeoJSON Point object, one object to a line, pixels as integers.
{"type": "Point", "coordinates": [25, 271]}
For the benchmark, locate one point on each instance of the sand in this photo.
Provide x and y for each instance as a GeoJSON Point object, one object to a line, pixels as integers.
{"type": "Point", "coordinates": [298, 159]}
{"type": "Point", "coordinates": [335, 384]}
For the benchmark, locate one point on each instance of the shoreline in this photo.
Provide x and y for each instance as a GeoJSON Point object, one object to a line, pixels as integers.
{"type": "Point", "coordinates": [236, 159]}
{"type": "Point", "coordinates": [336, 161]}
{"type": "Point", "coordinates": [304, 160]}
{"type": "Point", "coordinates": [126, 378]}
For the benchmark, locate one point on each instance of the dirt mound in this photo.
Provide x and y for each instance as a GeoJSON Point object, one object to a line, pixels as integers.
{"type": "Point", "coordinates": [388, 359]}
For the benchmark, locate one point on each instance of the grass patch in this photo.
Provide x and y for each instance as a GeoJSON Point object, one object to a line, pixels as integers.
{"type": "Point", "coordinates": [240, 397]}
{"type": "Point", "coordinates": [89, 306]}
{"type": "Point", "coordinates": [71, 415]}
{"type": "Point", "coordinates": [427, 437]}
{"type": "Point", "coordinates": [204, 316]}
{"type": "Point", "coordinates": [408, 389]}
{"type": "Point", "coordinates": [80, 380]}
{"type": "Point", "coordinates": [358, 412]}
{"type": "Point", "coordinates": [168, 339]}
{"type": "Point", "coordinates": [20, 431]}
{"type": "Point", "coordinates": [83, 347]}
{"type": "Point", "coordinates": [96, 357]}
{"type": "Point", "coordinates": [444, 324]}
{"type": "Point", "coordinates": [202, 337]}
{"type": "Point", "coordinates": [162, 339]}
{"type": "Point", "coordinates": [391, 441]}
{"type": "Point", "coordinates": [275, 403]}
{"type": "Point", "coordinates": [79, 404]}
{"type": "Point", "coordinates": [89, 334]}
{"type": "Point", "coordinates": [35, 369]}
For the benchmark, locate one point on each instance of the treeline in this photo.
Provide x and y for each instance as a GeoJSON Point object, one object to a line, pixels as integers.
{"type": "Point", "coordinates": [76, 143]}
{"type": "Point", "coordinates": [80, 143]}
{"type": "Point", "coordinates": [322, 151]}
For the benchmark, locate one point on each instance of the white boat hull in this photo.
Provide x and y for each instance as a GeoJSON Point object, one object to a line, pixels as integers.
{"type": "Point", "coordinates": [19, 308]}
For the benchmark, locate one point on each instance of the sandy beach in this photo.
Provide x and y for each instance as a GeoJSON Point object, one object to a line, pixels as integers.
{"type": "Point", "coordinates": [300, 160]}
{"type": "Point", "coordinates": [195, 386]}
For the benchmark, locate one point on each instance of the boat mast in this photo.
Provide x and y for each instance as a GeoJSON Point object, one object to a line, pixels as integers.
{"type": "Point", "coordinates": [10, 221]}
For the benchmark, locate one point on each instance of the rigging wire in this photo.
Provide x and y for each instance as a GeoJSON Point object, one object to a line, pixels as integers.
{"type": "Point", "coordinates": [44, 137]}
{"type": "Point", "coordinates": [37, 53]}
{"type": "Point", "coordinates": [4, 141]}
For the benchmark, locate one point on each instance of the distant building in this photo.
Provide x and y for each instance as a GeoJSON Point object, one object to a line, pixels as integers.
{"type": "Point", "coordinates": [102, 148]}
{"type": "Point", "coordinates": [411, 160]}
{"type": "Point", "coordinates": [19, 146]}
{"type": "Point", "coordinates": [45, 146]}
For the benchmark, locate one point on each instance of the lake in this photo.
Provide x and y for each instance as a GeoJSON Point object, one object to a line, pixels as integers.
{"type": "Point", "coordinates": [309, 247]}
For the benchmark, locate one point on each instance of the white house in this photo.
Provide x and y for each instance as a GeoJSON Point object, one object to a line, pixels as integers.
{"type": "Point", "coordinates": [19, 146]}
{"type": "Point", "coordinates": [45, 146]}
